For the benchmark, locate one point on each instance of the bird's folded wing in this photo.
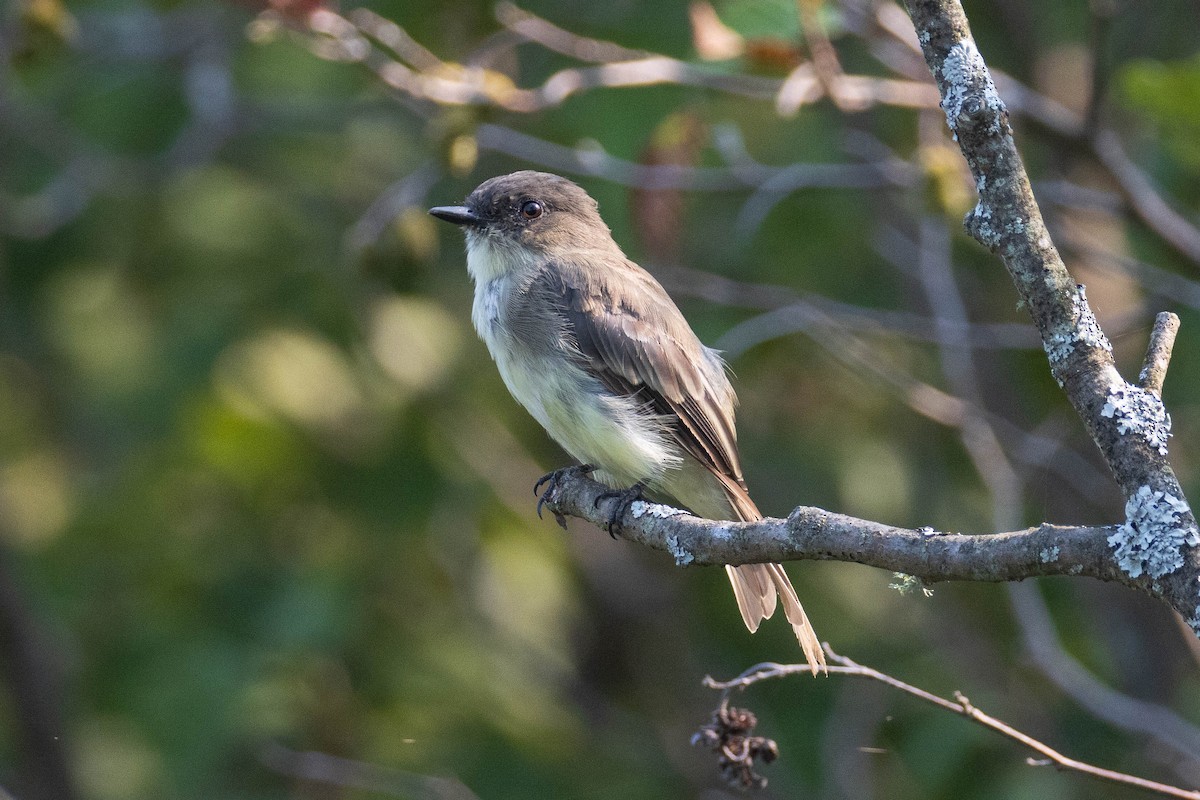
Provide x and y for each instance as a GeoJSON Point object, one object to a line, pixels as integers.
{"type": "Point", "coordinates": [633, 339]}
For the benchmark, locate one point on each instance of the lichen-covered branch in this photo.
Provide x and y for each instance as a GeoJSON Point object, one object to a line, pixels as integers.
{"type": "Point", "coordinates": [1126, 421]}
{"type": "Point", "coordinates": [1158, 352]}
{"type": "Point", "coordinates": [815, 534]}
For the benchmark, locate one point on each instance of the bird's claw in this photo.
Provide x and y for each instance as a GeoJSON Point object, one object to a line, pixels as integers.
{"type": "Point", "coordinates": [551, 480]}
{"type": "Point", "coordinates": [625, 498]}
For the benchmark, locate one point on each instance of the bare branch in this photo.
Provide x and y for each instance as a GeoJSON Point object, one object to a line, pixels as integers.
{"type": "Point", "coordinates": [815, 534]}
{"type": "Point", "coordinates": [1158, 353]}
{"type": "Point", "coordinates": [1144, 199]}
{"type": "Point", "coordinates": [348, 774]}
{"type": "Point", "coordinates": [31, 670]}
{"type": "Point", "coordinates": [825, 61]}
{"type": "Point", "coordinates": [550, 36]}
{"type": "Point", "coordinates": [594, 160]}
{"type": "Point", "coordinates": [840, 665]}
{"type": "Point", "coordinates": [405, 193]}
{"type": "Point", "coordinates": [1157, 723]}
{"type": "Point", "coordinates": [428, 78]}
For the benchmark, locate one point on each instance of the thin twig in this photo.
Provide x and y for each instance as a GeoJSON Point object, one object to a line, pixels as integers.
{"type": "Point", "coordinates": [824, 58]}
{"type": "Point", "coordinates": [1158, 353]}
{"type": "Point", "coordinates": [888, 323]}
{"type": "Point", "coordinates": [979, 439]}
{"type": "Point", "coordinates": [1144, 199]}
{"type": "Point", "coordinates": [1158, 724]}
{"type": "Point", "coordinates": [349, 774]}
{"type": "Point", "coordinates": [594, 160]}
{"type": "Point", "coordinates": [428, 78]}
{"type": "Point", "coordinates": [559, 40]}
{"type": "Point", "coordinates": [407, 192]}
{"type": "Point", "coordinates": [841, 665]}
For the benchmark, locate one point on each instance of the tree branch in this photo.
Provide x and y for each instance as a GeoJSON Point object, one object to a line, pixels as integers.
{"type": "Point", "coordinates": [1144, 199]}
{"type": "Point", "coordinates": [344, 773]}
{"type": "Point", "coordinates": [1158, 352]}
{"type": "Point", "coordinates": [33, 678]}
{"type": "Point", "coordinates": [1128, 423]}
{"type": "Point", "coordinates": [840, 665]}
{"type": "Point", "coordinates": [1157, 724]}
{"type": "Point", "coordinates": [815, 534]}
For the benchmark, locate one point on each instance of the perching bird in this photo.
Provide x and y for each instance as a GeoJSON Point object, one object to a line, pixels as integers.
{"type": "Point", "coordinates": [594, 348]}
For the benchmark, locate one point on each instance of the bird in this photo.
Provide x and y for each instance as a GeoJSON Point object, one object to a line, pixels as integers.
{"type": "Point", "coordinates": [593, 347]}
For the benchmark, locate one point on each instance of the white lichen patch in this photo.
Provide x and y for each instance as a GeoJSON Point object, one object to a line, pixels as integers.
{"type": "Point", "coordinates": [1084, 330]}
{"type": "Point", "coordinates": [966, 76]}
{"type": "Point", "coordinates": [720, 532]}
{"type": "Point", "coordinates": [1048, 554]}
{"type": "Point", "coordinates": [1155, 531]}
{"type": "Point", "coordinates": [642, 508]}
{"type": "Point", "coordinates": [1088, 328]}
{"type": "Point", "coordinates": [682, 555]}
{"type": "Point", "coordinates": [980, 223]}
{"type": "Point", "coordinates": [1059, 346]}
{"type": "Point", "coordinates": [1139, 412]}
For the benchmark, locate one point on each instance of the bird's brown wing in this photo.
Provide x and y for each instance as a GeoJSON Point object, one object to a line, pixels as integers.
{"type": "Point", "coordinates": [635, 341]}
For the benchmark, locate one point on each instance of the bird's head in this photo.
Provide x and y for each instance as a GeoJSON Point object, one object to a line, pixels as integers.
{"type": "Point", "coordinates": [526, 216]}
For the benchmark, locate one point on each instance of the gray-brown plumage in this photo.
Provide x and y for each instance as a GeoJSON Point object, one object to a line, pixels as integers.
{"type": "Point", "coordinates": [595, 349]}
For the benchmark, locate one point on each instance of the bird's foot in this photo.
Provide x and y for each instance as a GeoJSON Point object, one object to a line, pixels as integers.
{"type": "Point", "coordinates": [625, 498]}
{"type": "Point", "coordinates": [551, 480]}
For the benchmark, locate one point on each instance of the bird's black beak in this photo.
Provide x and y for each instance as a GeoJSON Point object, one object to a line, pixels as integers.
{"type": "Point", "coordinates": [459, 215]}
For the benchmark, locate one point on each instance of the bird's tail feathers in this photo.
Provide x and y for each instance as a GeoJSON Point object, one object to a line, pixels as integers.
{"type": "Point", "coordinates": [755, 586]}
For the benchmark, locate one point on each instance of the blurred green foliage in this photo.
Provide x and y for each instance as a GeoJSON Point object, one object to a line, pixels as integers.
{"type": "Point", "coordinates": [261, 487]}
{"type": "Point", "coordinates": [1168, 93]}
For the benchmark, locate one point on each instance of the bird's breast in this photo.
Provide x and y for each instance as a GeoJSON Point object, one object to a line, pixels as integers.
{"type": "Point", "coordinates": [615, 433]}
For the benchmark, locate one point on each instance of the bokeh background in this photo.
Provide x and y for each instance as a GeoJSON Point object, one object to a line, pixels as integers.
{"type": "Point", "coordinates": [266, 527]}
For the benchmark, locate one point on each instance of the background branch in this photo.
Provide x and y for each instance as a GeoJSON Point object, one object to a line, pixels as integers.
{"type": "Point", "coordinates": [33, 675]}
{"type": "Point", "coordinates": [840, 665]}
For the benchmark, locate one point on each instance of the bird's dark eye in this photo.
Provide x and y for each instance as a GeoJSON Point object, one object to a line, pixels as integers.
{"type": "Point", "coordinates": [531, 209]}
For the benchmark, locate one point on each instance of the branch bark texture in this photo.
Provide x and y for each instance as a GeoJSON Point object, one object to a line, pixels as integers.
{"type": "Point", "coordinates": [815, 534]}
